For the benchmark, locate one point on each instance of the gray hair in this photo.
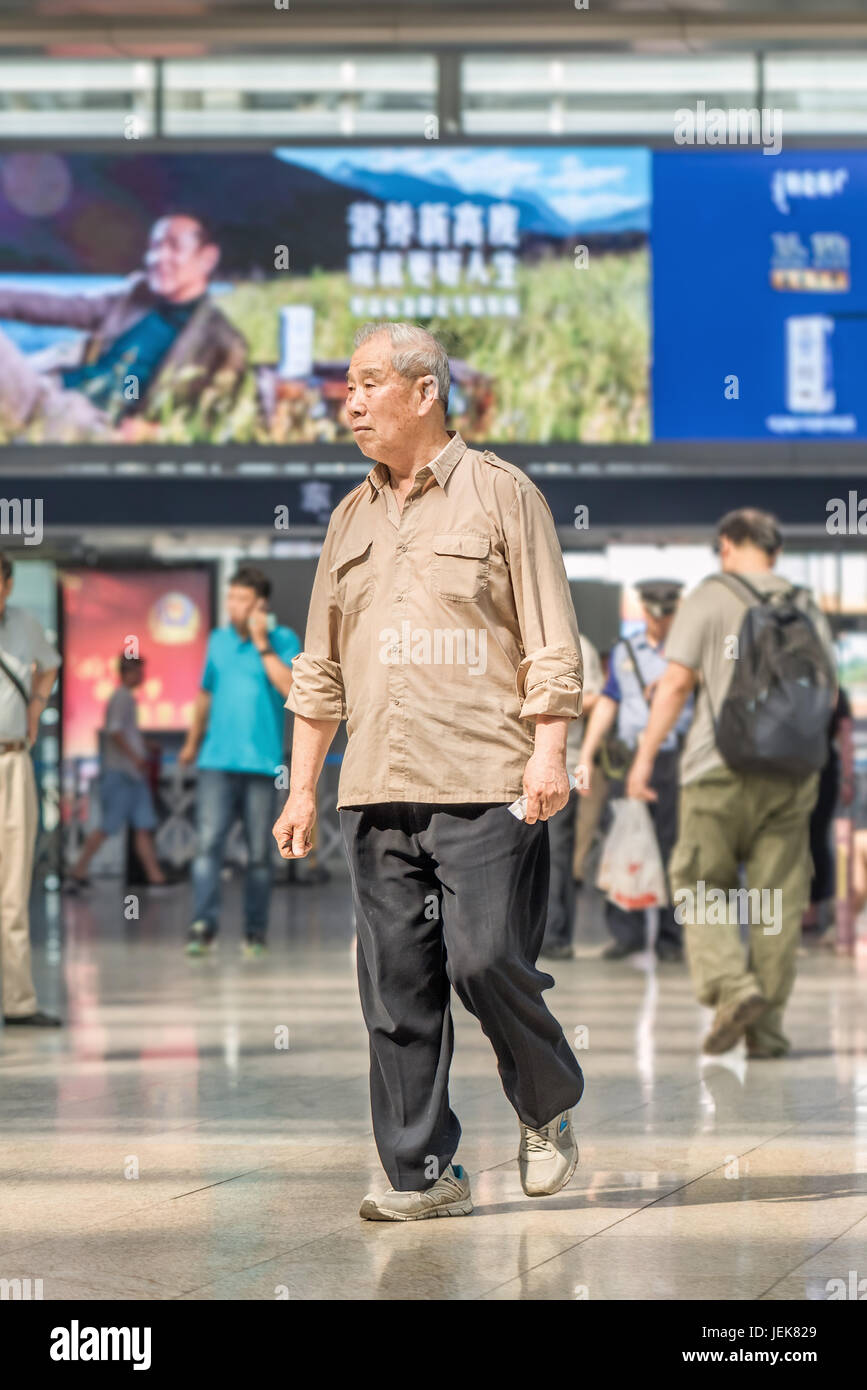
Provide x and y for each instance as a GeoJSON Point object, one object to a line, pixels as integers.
{"type": "Point", "coordinates": [416, 352]}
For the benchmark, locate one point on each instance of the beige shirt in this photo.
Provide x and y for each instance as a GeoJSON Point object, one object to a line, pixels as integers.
{"type": "Point", "coordinates": [440, 632]}
{"type": "Point", "coordinates": [22, 643]}
{"type": "Point", "coordinates": [700, 638]}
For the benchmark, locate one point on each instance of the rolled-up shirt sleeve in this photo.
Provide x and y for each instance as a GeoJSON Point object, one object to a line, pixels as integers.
{"type": "Point", "coordinates": [317, 690]}
{"type": "Point", "coordinates": [549, 678]}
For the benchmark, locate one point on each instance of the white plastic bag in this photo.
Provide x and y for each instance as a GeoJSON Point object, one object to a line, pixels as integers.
{"type": "Point", "coordinates": [631, 872]}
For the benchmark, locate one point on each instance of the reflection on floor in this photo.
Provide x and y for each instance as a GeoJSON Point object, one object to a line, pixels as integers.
{"type": "Point", "coordinates": [168, 1144]}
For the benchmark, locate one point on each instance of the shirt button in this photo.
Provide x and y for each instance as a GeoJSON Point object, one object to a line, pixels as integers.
{"type": "Point", "coordinates": [400, 549]}
{"type": "Point", "coordinates": [399, 598]}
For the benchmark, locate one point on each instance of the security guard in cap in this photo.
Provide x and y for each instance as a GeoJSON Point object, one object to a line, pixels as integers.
{"type": "Point", "coordinates": [636, 664]}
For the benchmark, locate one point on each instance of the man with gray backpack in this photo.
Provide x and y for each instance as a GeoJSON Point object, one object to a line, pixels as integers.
{"type": "Point", "coordinates": [760, 654]}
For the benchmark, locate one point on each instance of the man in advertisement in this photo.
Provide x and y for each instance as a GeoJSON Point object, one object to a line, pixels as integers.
{"type": "Point", "coordinates": [159, 342]}
{"type": "Point", "coordinates": [442, 628]}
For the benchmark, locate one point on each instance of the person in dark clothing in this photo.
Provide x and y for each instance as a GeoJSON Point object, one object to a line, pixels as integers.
{"type": "Point", "coordinates": [836, 784]}
{"type": "Point", "coordinates": [635, 669]}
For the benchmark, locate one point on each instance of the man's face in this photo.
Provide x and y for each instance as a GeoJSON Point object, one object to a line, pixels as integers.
{"type": "Point", "coordinates": [658, 627]}
{"type": "Point", "coordinates": [384, 408]}
{"type": "Point", "coordinates": [240, 603]}
{"type": "Point", "coordinates": [177, 262]}
{"type": "Point", "coordinates": [5, 591]}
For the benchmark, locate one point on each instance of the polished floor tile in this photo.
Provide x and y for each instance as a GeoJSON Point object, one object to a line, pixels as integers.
{"type": "Point", "coordinates": [201, 1129]}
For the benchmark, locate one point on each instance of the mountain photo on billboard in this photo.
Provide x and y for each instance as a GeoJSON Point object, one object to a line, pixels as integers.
{"type": "Point", "coordinates": [530, 263]}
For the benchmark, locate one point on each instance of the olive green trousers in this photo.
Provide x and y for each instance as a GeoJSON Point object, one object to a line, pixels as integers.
{"type": "Point", "coordinates": [731, 821]}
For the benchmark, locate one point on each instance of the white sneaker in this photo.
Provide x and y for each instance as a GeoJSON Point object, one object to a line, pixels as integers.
{"type": "Point", "coordinates": [547, 1157]}
{"type": "Point", "coordinates": [449, 1196]}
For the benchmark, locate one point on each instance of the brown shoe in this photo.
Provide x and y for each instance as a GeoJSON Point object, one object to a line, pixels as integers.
{"type": "Point", "coordinates": [732, 1021]}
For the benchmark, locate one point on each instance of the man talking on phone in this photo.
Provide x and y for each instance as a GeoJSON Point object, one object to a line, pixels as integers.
{"type": "Point", "coordinates": [237, 734]}
{"type": "Point", "coordinates": [441, 627]}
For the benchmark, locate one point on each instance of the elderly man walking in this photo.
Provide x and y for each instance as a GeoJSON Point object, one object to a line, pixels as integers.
{"type": "Point", "coordinates": [441, 627]}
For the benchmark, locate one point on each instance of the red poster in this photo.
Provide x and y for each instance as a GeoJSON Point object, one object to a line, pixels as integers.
{"type": "Point", "coordinates": [164, 612]}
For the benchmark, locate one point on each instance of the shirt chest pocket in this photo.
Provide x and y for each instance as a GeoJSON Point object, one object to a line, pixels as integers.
{"type": "Point", "coordinates": [460, 565]}
{"type": "Point", "coordinates": [352, 576]}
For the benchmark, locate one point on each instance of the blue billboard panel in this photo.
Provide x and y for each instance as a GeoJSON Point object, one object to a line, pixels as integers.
{"type": "Point", "coordinates": [760, 295]}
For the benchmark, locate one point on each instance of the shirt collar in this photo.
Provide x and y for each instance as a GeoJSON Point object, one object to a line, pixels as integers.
{"type": "Point", "coordinates": [441, 467]}
{"type": "Point", "coordinates": [642, 640]}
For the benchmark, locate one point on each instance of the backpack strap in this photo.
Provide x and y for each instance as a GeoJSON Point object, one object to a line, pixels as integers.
{"type": "Point", "coordinates": [629, 647]}
{"type": "Point", "coordinates": [735, 583]}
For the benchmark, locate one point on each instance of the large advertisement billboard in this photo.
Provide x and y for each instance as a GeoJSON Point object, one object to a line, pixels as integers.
{"type": "Point", "coordinates": [760, 295]}
{"type": "Point", "coordinates": [213, 297]}
{"type": "Point", "coordinates": [586, 295]}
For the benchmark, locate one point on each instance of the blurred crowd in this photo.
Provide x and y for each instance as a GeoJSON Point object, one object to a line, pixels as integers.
{"type": "Point", "coordinates": [649, 731]}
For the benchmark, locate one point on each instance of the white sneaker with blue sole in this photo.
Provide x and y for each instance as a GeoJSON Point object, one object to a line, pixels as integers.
{"type": "Point", "coordinates": [448, 1196]}
{"type": "Point", "coordinates": [547, 1157]}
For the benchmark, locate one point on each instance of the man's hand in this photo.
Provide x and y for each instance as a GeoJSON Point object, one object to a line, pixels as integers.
{"type": "Point", "coordinates": [34, 714]}
{"type": "Point", "coordinates": [258, 625]}
{"type": "Point", "coordinates": [293, 829]}
{"type": "Point", "coordinates": [638, 782]}
{"type": "Point", "coordinates": [546, 783]}
{"type": "Point", "coordinates": [584, 778]}
{"type": "Point", "coordinates": [188, 753]}
{"type": "Point", "coordinates": [133, 430]}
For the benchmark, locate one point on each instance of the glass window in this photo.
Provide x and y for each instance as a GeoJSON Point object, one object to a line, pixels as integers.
{"type": "Point", "coordinates": [316, 94]}
{"type": "Point", "coordinates": [602, 94]}
{"type": "Point", "coordinates": [102, 97]}
{"type": "Point", "coordinates": [818, 92]}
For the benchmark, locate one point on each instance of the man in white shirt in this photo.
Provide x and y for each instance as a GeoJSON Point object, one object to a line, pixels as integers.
{"type": "Point", "coordinates": [28, 668]}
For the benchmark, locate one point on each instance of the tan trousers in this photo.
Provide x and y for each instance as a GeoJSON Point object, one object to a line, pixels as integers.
{"type": "Point", "coordinates": [589, 811]}
{"type": "Point", "coordinates": [18, 823]}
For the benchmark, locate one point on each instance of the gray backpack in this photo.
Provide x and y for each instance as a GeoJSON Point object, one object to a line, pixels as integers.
{"type": "Point", "coordinates": [775, 717]}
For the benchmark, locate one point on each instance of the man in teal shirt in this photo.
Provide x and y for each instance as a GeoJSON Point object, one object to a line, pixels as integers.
{"type": "Point", "coordinates": [237, 733]}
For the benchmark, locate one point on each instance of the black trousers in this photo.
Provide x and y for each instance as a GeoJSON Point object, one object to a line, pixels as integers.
{"type": "Point", "coordinates": [561, 886]}
{"type": "Point", "coordinates": [451, 895]}
{"type": "Point", "coordinates": [823, 885]}
{"type": "Point", "coordinates": [627, 928]}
